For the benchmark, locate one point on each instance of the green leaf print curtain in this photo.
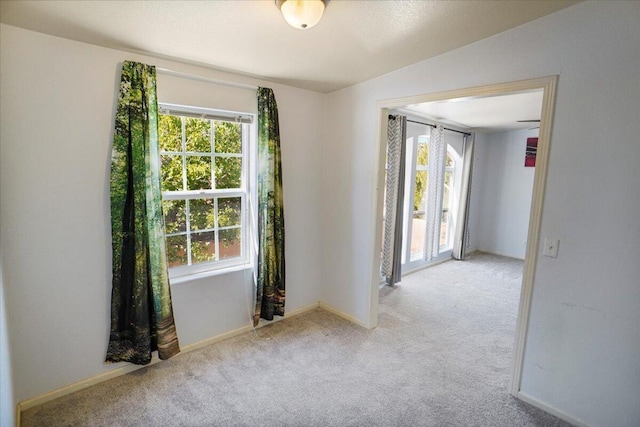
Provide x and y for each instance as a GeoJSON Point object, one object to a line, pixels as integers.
{"type": "Point", "coordinates": [141, 311]}
{"type": "Point", "coordinates": [270, 287]}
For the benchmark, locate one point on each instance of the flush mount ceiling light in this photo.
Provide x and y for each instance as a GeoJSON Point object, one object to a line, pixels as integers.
{"type": "Point", "coordinates": [302, 14]}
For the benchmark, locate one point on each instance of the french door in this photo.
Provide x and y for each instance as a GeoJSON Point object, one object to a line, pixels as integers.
{"type": "Point", "coordinates": [416, 214]}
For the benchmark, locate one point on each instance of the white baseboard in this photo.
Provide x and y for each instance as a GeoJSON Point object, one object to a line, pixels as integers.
{"type": "Point", "coordinates": [82, 384]}
{"type": "Point", "coordinates": [126, 368]}
{"type": "Point", "coordinates": [500, 254]}
{"type": "Point", "coordinates": [551, 410]}
{"type": "Point", "coordinates": [342, 314]}
{"type": "Point", "coordinates": [247, 328]}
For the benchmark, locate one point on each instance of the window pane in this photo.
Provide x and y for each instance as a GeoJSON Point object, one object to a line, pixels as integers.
{"type": "Point", "coordinates": [418, 226]}
{"type": "Point", "coordinates": [420, 194]}
{"type": "Point", "coordinates": [228, 137]}
{"type": "Point", "coordinates": [198, 172]}
{"type": "Point", "coordinates": [203, 247]}
{"type": "Point", "coordinates": [446, 195]}
{"type": "Point", "coordinates": [230, 243]}
{"type": "Point", "coordinates": [229, 211]}
{"type": "Point", "coordinates": [174, 216]}
{"type": "Point", "coordinates": [170, 133]}
{"type": "Point", "coordinates": [177, 250]}
{"type": "Point", "coordinates": [418, 229]}
{"type": "Point", "coordinates": [446, 209]}
{"type": "Point", "coordinates": [422, 157]}
{"type": "Point", "coordinates": [197, 135]}
{"type": "Point", "coordinates": [449, 161]}
{"type": "Point", "coordinates": [171, 168]}
{"type": "Point", "coordinates": [228, 172]}
{"type": "Point", "coordinates": [444, 228]}
{"type": "Point", "coordinates": [201, 214]}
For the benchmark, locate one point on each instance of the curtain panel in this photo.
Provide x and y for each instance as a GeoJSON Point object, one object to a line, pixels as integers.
{"type": "Point", "coordinates": [141, 310]}
{"type": "Point", "coordinates": [461, 237]}
{"type": "Point", "coordinates": [437, 154]}
{"type": "Point", "coordinates": [270, 275]}
{"type": "Point", "coordinates": [391, 263]}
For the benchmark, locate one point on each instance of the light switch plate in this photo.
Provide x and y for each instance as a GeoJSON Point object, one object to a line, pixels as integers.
{"type": "Point", "coordinates": [551, 247]}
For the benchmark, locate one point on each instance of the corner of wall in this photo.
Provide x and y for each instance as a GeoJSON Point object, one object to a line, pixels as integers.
{"type": "Point", "coordinates": [322, 184]}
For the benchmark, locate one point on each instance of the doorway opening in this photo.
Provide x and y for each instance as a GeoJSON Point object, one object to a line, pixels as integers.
{"type": "Point", "coordinates": [543, 86]}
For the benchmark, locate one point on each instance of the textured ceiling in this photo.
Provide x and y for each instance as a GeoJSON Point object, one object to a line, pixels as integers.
{"type": "Point", "coordinates": [354, 41]}
{"type": "Point", "coordinates": [484, 114]}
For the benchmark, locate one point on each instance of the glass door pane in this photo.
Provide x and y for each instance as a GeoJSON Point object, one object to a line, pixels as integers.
{"type": "Point", "coordinates": [419, 198]}
{"type": "Point", "coordinates": [418, 216]}
{"type": "Point", "coordinates": [446, 209]}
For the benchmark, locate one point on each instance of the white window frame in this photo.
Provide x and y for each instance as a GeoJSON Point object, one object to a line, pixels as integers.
{"type": "Point", "coordinates": [247, 120]}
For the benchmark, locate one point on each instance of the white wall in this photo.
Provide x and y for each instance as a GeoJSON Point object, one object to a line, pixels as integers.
{"type": "Point", "coordinates": [7, 402]}
{"type": "Point", "coordinates": [57, 112]}
{"type": "Point", "coordinates": [504, 193]}
{"type": "Point", "coordinates": [583, 342]}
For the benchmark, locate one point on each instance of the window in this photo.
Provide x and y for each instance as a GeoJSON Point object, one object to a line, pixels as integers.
{"type": "Point", "coordinates": [204, 169]}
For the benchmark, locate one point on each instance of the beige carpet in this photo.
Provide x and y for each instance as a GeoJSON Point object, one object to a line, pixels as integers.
{"type": "Point", "coordinates": [441, 356]}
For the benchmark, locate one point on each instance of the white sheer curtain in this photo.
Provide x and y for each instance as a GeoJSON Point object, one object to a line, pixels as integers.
{"type": "Point", "coordinates": [437, 154]}
{"type": "Point", "coordinates": [391, 265]}
{"type": "Point", "coordinates": [461, 240]}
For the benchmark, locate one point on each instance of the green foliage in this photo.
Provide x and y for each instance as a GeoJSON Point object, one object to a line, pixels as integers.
{"type": "Point", "coordinates": [422, 157]}
{"type": "Point", "coordinates": [198, 173]}
{"type": "Point", "coordinates": [177, 250]}
{"type": "Point", "coordinates": [421, 177]}
{"type": "Point", "coordinates": [175, 216]}
{"type": "Point", "coordinates": [228, 172]}
{"type": "Point", "coordinates": [171, 167]}
{"type": "Point", "coordinates": [202, 247]}
{"type": "Point", "coordinates": [228, 138]}
{"type": "Point", "coordinates": [170, 133]}
{"type": "Point", "coordinates": [201, 214]}
{"type": "Point", "coordinates": [197, 135]}
{"type": "Point", "coordinates": [229, 211]}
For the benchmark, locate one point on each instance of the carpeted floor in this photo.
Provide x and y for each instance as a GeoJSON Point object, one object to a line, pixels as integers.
{"type": "Point", "coordinates": [441, 356]}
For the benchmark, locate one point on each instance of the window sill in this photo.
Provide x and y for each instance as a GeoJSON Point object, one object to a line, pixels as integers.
{"type": "Point", "coordinates": [210, 273]}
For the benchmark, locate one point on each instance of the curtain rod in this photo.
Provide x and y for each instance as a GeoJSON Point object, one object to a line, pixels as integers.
{"type": "Point", "coordinates": [434, 126]}
{"type": "Point", "coordinates": [204, 79]}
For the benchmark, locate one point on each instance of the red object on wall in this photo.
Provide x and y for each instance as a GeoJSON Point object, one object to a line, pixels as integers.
{"type": "Point", "coordinates": [530, 154]}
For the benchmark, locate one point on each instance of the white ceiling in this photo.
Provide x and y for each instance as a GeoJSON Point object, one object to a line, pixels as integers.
{"type": "Point", "coordinates": [486, 114]}
{"type": "Point", "coordinates": [354, 41]}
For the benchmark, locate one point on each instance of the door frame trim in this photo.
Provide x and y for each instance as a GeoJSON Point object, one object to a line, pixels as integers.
{"type": "Point", "coordinates": [549, 86]}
